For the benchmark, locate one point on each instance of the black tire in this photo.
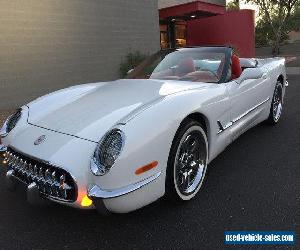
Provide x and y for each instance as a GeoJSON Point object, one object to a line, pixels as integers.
{"type": "Point", "coordinates": [277, 104]}
{"type": "Point", "coordinates": [187, 162]}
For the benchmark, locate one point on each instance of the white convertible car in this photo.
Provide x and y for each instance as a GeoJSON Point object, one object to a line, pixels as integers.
{"type": "Point", "coordinates": [118, 146]}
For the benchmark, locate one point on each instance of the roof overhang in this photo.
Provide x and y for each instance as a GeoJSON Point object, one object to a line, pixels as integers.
{"type": "Point", "coordinates": [184, 10]}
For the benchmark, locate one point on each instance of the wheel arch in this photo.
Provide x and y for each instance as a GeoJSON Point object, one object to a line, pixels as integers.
{"type": "Point", "coordinates": [169, 181]}
{"type": "Point", "coordinates": [203, 120]}
{"type": "Point", "coordinates": [199, 117]}
{"type": "Point", "coordinates": [281, 78]}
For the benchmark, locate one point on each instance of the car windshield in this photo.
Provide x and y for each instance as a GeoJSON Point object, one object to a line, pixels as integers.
{"type": "Point", "coordinates": [197, 65]}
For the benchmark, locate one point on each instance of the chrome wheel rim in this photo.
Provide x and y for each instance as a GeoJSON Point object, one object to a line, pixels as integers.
{"type": "Point", "coordinates": [277, 102]}
{"type": "Point", "coordinates": [190, 162]}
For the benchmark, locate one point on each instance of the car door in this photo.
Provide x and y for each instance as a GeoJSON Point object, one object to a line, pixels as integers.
{"type": "Point", "coordinates": [246, 99]}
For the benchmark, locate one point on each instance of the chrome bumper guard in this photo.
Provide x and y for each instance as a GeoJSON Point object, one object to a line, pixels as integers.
{"type": "Point", "coordinates": [97, 194]}
{"type": "Point", "coordinates": [33, 195]}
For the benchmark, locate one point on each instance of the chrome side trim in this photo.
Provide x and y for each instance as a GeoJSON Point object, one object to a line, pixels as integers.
{"type": "Point", "coordinates": [222, 128]}
{"type": "Point", "coordinates": [97, 193]}
{"type": "Point", "coordinates": [250, 110]}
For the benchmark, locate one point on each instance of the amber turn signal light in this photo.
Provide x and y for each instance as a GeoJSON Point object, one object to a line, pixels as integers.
{"type": "Point", "coordinates": [86, 201]}
{"type": "Point", "coordinates": [146, 168]}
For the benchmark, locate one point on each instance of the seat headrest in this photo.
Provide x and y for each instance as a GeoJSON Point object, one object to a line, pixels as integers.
{"type": "Point", "coordinates": [186, 66]}
{"type": "Point", "coordinates": [236, 69]}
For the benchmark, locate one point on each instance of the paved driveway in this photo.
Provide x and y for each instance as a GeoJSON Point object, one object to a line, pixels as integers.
{"type": "Point", "coordinates": [253, 185]}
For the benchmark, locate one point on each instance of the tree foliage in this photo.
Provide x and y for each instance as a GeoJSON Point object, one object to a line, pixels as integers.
{"type": "Point", "coordinates": [276, 17]}
{"type": "Point", "coordinates": [132, 60]}
{"type": "Point", "coordinates": [264, 35]}
{"type": "Point", "coordinates": [233, 5]}
{"type": "Point", "coordinates": [293, 23]}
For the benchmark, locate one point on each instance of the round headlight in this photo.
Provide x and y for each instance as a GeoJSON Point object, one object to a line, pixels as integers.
{"type": "Point", "coordinates": [107, 152]}
{"type": "Point", "coordinates": [11, 122]}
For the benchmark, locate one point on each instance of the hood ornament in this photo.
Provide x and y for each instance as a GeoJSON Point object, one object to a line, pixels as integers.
{"type": "Point", "coordinates": [40, 140]}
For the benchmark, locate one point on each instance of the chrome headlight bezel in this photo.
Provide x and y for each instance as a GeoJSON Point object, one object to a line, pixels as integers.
{"type": "Point", "coordinates": [107, 152]}
{"type": "Point", "coordinates": [11, 123]}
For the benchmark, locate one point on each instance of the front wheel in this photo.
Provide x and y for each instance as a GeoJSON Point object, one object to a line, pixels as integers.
{"type": "Point", "coordinates": [277, 104]}
{"type": "Point", "coordinates": [187, 162]}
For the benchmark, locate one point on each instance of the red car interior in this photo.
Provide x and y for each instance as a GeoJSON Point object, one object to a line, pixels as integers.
{"type": "Point", "coordinates": [236, 69]}
{"type": "Point", "coordinates": [186, 66]}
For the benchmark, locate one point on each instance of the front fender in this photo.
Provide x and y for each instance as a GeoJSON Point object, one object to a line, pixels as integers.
{"type": "Point", "coordinates": [149, 136]}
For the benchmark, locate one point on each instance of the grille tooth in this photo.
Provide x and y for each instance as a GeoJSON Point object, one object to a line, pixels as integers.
{"type": "Point", "coordinates": [47, 181]}
{"type": "Point", "coordinates": [62, 180]}
{"type": "Point", "coordinates": [39, 179]}
{"type": "Point", "coordinates": [41, 173]}
{"type": "Point", "coordinates": [53, 175]}
{"type": "Point", "coordinates": [22, 167]}
{"type": "Point", "coordinates": [26, 170]}
{"type": "Point", "coordinates": [35, 170]}
{"type": "Point", "coordinates": [35, 174]}
{"type": "Point", "coordinates": [30, 169]}
{"type": "Point", "coordinates": [47, 175]}
{"type": "Point", "coordinates": [52, 181]}
{"type": "Point", "coordinates": [16, 163]}
{"type": "Point", "coordinates": [62, 190]}
{"type": "Point", "coordinates": [30, 172]}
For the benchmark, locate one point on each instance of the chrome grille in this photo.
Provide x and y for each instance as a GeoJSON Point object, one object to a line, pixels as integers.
{"type": "Point", "coordinates": [52, 182]}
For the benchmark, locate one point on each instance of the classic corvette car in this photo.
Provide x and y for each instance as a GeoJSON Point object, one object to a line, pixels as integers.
{"type": "Point", "coordinates": [118, 146]}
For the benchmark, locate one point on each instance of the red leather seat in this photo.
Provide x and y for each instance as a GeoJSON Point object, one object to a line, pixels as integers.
{"type": "Point", "coordinates": [236, 69]}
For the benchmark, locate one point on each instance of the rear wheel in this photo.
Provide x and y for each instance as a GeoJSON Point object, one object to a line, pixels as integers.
{"type": "Point", "coordinates": [187, 162]}
{"type": "Point", "coordinates": [277, 104]}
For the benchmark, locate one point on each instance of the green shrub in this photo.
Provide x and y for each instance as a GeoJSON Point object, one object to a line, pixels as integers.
{"type": "Point", "coordinates": [131, 60]}
{"type": "Point", "coordinates": [235, 5]}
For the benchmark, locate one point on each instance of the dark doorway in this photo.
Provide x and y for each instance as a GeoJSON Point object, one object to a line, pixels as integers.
{"type": "Point", "coordinates": [173, 34]}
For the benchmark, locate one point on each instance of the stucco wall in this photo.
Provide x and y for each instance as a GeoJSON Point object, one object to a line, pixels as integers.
{"type": "Point", "coordinates": [237, 30]}
{"type": "Point", "coordinates": [49, 44]}
{"type": "Point", "coordinates": [169, 3]}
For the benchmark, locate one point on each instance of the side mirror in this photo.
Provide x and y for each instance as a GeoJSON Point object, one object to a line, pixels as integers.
{"type": "Point", "coordinates": [129, 71]}
{"type": "Point", "coordinates": [250, 73]}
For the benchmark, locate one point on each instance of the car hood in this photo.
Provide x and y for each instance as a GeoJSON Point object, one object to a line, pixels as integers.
{"type": "Point", "coordinates": [90, 110]}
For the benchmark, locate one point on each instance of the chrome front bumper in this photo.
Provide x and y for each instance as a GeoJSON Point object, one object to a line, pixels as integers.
{"type": "Point", "coordinates": [97, 195]}
{"type": "Point", "coordinates": [42, 180]}
{"type": "Point", "coordinates": [33, 195]}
